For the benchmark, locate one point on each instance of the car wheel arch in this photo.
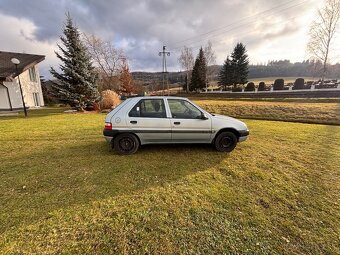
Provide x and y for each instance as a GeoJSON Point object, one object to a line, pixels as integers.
{"type": "Point", "coordinates": [233, 130]}
{"type": "Point", "coordinates": [132, 133]}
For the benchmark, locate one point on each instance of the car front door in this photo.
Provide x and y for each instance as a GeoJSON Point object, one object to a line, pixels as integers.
{"type": "Point", "coordinates": [187, 124]}
{"type": "Point", "coordinates": [148, 119]}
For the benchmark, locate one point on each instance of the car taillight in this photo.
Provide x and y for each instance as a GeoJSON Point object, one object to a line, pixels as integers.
{"type": "Point", "coordinates": [108, 125]}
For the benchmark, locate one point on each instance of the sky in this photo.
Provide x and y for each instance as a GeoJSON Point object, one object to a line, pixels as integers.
{"type": "Point", "coordinates": [270, 29]}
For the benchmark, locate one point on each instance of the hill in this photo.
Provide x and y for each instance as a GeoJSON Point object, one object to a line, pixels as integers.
{"type": "Point", "coordinates": [278, 69]}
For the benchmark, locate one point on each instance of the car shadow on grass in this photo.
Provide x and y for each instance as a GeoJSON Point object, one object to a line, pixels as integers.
{"type": "Point", "coordinates": [79, 172]}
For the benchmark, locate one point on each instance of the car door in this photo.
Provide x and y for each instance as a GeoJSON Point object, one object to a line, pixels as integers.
{"type": "Point", "coordinates": [148, 120]}
{"type": "Point", "coordinates": [187, 124]}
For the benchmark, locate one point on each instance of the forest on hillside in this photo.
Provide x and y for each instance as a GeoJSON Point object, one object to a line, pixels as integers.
{"type": "Point", "coordinates": [278, 68]}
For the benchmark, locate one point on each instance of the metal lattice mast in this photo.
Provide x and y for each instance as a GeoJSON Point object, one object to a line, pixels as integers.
{"type": "Point", "coordinates": [164, 69]}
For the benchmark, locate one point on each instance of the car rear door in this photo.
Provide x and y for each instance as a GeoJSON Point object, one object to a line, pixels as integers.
{"type": "Point", "coordinates": [148, 120]}
{"type": "Point", "coordinates": [187, 124]}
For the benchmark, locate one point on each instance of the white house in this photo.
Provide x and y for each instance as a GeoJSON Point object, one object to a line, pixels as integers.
{"type": "Point", "coordinates": [28, 73]}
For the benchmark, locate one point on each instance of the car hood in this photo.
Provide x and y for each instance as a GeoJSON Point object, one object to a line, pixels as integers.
{"type": "Point", "coordinates": [232, 122]}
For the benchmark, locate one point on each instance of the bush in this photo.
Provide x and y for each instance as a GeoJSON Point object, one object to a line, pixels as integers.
{"type": "Point", "coordinates": [250, 87]}
{"type": "Point", "coordinates": [236, 89]}
{"type": "Point", "coordinates": [279, 84]}
{"type": "Point", "coordinates": [109, 99]}
{"type": "Point", "coordinates": [262, 86]}
{"type": "Point", "coordinates": [299, 83]}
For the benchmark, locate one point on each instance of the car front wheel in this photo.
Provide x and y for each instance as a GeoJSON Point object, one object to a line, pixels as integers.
{"type": "Point", "coordinates": [126, 144]}
{"type": "Point", "coordinates": [226, 141]}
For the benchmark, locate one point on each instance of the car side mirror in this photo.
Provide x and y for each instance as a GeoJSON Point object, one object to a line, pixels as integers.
{"type": "Point", "coordinates": [204, 116]}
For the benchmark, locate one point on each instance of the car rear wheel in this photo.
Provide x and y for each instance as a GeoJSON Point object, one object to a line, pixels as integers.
{"type": "Point", "coordinates": [226, 141]}
{"type": "Point", "coordinates": [126, 143]}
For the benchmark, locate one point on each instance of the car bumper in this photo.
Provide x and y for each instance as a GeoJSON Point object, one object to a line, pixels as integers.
{"type": "Point", "coordinates": [109, 134]}
{"type": "Point", "coordinates": [243, 135]}
{"type": "Point", "coordinates": [108, 139]}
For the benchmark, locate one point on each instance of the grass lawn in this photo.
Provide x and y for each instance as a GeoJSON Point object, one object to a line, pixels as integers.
{"type": "Point", "coordinates": [310, 111]}
{"type": "Point", "coordinates": [63, 191]}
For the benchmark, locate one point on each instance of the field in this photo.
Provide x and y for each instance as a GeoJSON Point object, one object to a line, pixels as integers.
{"type": "Point", "coordinates": [63, 191]}
{"type": "Point", "coordinates": [309, 111]}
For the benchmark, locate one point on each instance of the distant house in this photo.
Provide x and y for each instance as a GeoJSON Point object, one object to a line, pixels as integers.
{"type": "Point", "coordinates": [10, 97]}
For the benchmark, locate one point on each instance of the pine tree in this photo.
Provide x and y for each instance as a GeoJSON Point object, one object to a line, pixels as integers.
{"type": "Point", "coordinates": [199, 73]}
{"type": "Point", "coordinates": [77, 80]}
{"type": "Point", "coordinates": [226, 74]}
{"type": "Point", "coordinates": [239, 62]}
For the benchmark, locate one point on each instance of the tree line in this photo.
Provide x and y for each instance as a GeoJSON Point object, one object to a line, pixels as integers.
{"type": "Point", "coordinates": [233, 72]}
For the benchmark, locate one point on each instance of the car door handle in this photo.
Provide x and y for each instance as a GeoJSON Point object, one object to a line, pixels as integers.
{"type": "Point", "coordinates": [133, 121]}
{"type": "Point", "coordinates": [177, 123]}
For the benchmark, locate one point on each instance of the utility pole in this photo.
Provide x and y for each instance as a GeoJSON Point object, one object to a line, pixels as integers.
{"type": "Point", "coordinates": [164, 70]}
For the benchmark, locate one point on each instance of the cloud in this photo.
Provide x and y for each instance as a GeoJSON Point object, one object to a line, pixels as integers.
{"type": "Point", "coordinates": [22, 40]}
{"type": "Point", "coordinates": [142, 27]}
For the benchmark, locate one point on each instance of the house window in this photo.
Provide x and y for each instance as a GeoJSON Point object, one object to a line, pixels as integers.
{"type": "Point", "coordinates": [32, 73]}
{"type": "Point", "coordinates": [36, 99]}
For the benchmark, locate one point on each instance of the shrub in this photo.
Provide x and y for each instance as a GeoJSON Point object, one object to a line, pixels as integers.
{"type": "Point", "coordinates": [262, 86]}
{"type": "Point", "coordinates": [109, 99]}
{"type": "Point", "coordinates": [250, 87]}
{"type": "Point", "coordinates": [279, 84]}
{"type": "Point", "coordinates": [299, 83]}
{"type": "Point", "coordinates": [236, 89]}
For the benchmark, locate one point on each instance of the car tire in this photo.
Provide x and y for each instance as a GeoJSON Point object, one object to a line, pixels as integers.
{"type": "Point", "coordinates": [126, 143]}
{"type": "Point", "coordinates": [225, 141]}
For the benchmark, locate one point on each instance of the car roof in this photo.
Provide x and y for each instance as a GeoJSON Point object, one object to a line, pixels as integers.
{"type": "Point", "coordinates": [158, 97]}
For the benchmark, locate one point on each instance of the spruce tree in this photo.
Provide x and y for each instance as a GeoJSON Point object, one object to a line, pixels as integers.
{"type": "Point", "coordinates": [239, 62]}
{"type": "Point", "coordinates": [199, 73]}
{"type": "Point", "coordinates": [225, 77]}
{"type": "Point", "coordinates": [77, 77]}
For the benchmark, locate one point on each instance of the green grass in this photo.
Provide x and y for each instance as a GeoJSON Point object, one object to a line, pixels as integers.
{"type": "Point", "coordinates": [295, 111]}
{"type": "Point", "coordinates": [63, 191]}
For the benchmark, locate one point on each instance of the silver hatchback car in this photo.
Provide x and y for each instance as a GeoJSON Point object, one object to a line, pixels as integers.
{"type": "Point", "coordinates": [160, 120]}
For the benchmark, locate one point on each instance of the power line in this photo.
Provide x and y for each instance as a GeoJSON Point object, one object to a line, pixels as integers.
{"type": "Point", "coordinates": [216, 29]}
{"type": "Point", "coordinates": [240, 21]}
{"type": "Point", "coordinates": [244, 32]}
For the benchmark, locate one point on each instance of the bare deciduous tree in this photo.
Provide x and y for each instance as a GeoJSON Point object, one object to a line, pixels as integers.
{"type": "Point", "coordinates": [186, 59]}
{"type": "Point", "coordinates": [209, 54]}
{"type": "Point", "coordinates": [210, 59]}
{"type": "Point", "coordinates": [108, 60]}
{"type": "Point", "coordinates": [322, 33]}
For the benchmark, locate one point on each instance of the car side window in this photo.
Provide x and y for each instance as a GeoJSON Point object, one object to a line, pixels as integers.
{"type": "Point", "coordinates": [182, 109]}
{"type": "Point", "coordinates": [149, 108]}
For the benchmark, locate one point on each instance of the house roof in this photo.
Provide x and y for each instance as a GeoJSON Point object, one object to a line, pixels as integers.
{"type": "Point", "coordinates": [7, 68]}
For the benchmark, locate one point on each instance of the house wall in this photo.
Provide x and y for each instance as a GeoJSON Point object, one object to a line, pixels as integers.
{"type": "Point", "coordinates": [29, 87]}
{"type": "Point", "coordinates": [4, 101]}
{"type": "Point", "coordinates": [15, 96]}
